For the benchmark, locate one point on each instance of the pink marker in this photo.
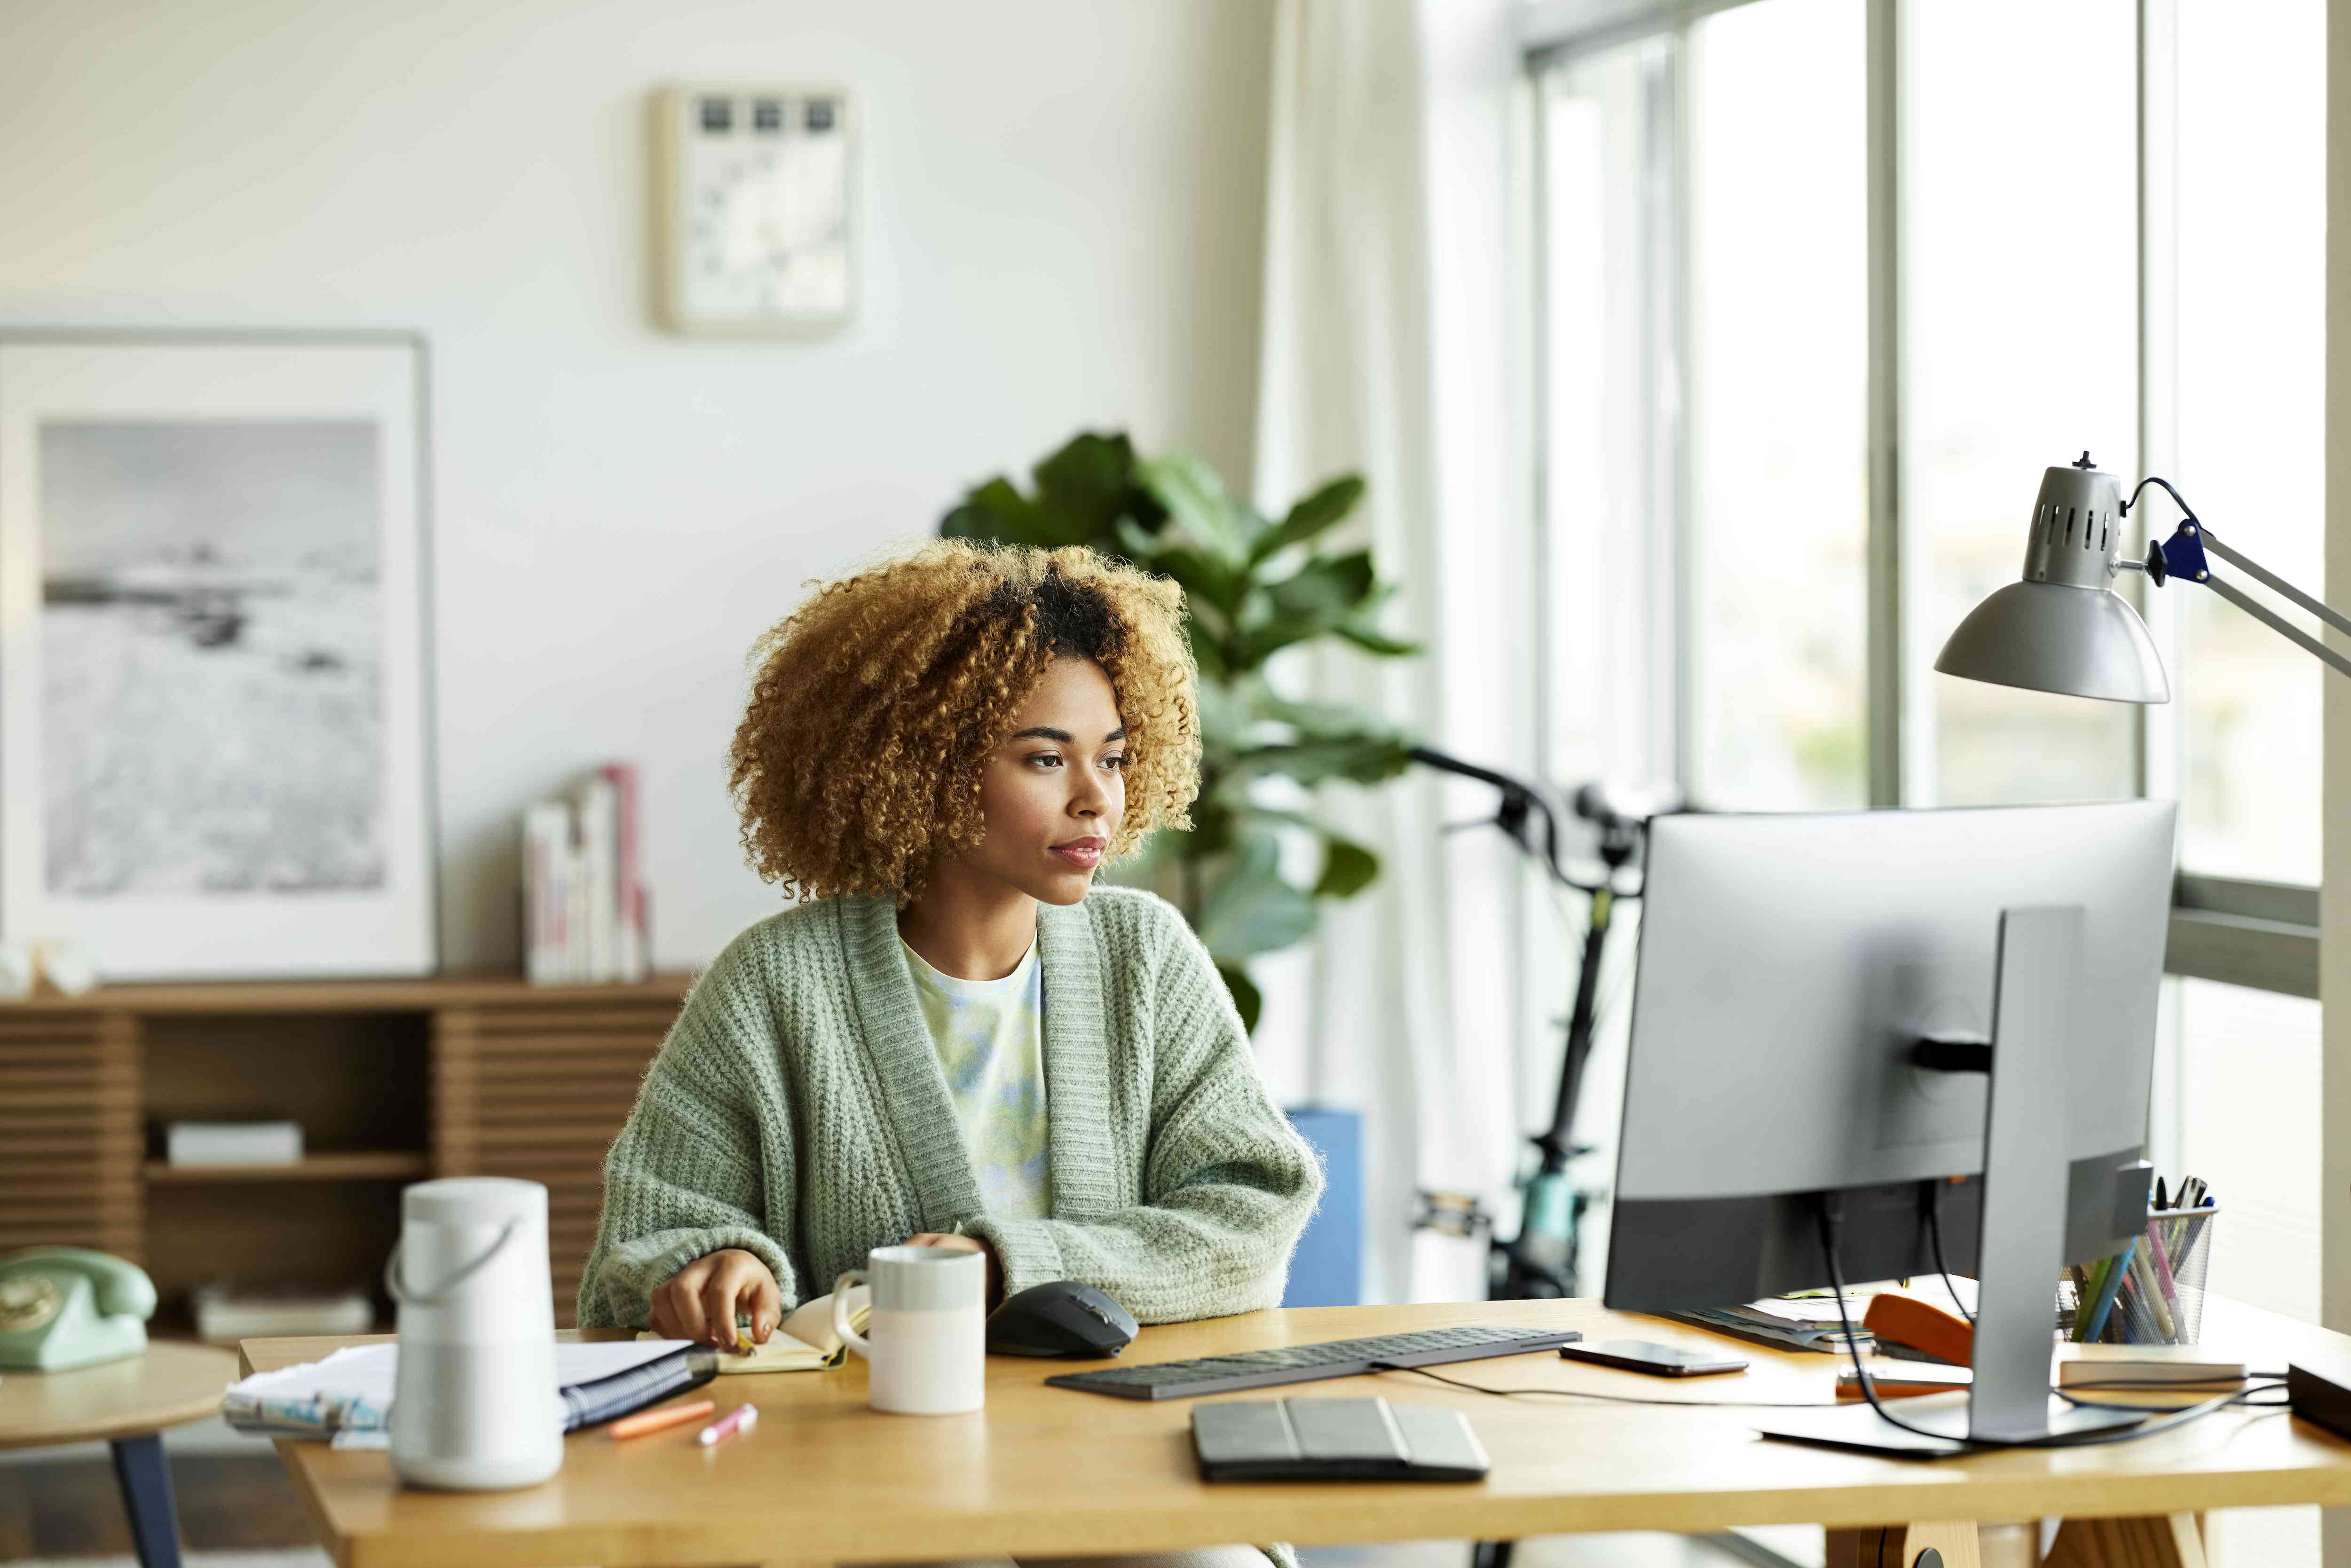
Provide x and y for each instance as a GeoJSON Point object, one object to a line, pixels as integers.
{"type": "Point", "coordinates": [742, 1418]}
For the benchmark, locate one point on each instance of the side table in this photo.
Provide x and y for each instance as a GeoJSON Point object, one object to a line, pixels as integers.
{"type": "Point", "coordinates": [126, 1404]}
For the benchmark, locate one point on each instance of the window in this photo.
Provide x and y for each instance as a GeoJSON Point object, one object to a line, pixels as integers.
{"type": "Point", "coordinates": [1608, 616]}
{"type": "Point", "coordinates": [1778, 407]}
{"type": "Point", "coordinates": [1792, 248]}
{"type": "Point", "coordinates": [2252, 248]}
{"type": "Point", "coordinates": [2018, 282]}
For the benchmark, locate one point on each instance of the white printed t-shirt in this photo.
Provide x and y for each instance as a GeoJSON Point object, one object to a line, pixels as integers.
{"type": "Point", "coordinates": [991, 1039]}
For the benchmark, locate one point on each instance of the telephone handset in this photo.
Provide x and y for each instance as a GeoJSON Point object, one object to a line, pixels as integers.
{"type": "Point", "coordinates": [63, 1307]}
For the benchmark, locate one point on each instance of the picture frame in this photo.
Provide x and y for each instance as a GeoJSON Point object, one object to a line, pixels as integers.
{"type": "Point", "coordinates": [215, 653]}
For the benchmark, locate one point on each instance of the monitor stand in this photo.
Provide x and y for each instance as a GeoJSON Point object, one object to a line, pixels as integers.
{"type": "Point", "coordinates": [2023, 1246]}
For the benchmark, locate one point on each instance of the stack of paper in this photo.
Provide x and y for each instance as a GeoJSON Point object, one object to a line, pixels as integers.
{"type": "Point", "coordinates": [1788, 1323]}
{"type": "Point", "coordinates": [347, 1397]}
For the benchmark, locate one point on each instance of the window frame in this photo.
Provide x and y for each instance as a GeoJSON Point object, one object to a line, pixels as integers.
{"type": "Point", "coordinates": [2239, 931]}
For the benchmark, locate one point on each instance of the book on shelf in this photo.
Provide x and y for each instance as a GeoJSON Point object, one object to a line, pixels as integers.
{"type": "Point", "coordinates": [233, 1143]}
{"type": "Point", "coordinates": [583, 895]}
{"type": "Point", "coordinates": [226, 1313]}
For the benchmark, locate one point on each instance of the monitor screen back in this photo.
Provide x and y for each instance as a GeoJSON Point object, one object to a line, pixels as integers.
{"type": "Point", "coordinates": [1787, 964]}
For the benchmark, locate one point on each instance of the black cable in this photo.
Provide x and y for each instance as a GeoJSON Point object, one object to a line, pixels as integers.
{"type": "Point", "coordinates": [1935, 1235]}
{"type": "Point", "coordinates": [2187, 512]}
{"type": "Point", "coordinates": [1608, 1398]}
{"type": "Point", "coordinates": [2147, 1429]}
{"type": "Point", "coordinates": [1827, 1210]}
{"type": "Point", "coordinates": [2184, 1414]}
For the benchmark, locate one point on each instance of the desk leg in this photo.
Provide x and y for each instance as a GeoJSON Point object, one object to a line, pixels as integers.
{"type": "Point", "coordinates": [1903, 1546]}
{"type": "Point", "coordinates": [146, 1482]}
{"type": "Point", "coordinates": [2161, 1540]}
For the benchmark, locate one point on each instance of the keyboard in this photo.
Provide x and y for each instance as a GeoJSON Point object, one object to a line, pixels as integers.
{"type": "Point", "coordinates": [1309, 1363]}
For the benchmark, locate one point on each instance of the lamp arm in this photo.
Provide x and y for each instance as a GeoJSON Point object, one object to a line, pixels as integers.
{"type": "Point", "coordinates": [2270, 579]}
{"type": "Point", "coordinates": [2278, 624]}
{"type": "Point", "coordinates": [2182, 554]}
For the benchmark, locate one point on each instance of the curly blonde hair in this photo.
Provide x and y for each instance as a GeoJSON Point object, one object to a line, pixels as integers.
{"type": "Point", "coordinates": [877, 703]}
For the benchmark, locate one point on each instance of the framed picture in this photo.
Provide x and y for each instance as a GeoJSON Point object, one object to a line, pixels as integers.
{"type": "Point", "coordinates": [215, 755]}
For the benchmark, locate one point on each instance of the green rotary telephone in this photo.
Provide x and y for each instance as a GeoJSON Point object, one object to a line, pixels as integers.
{"type": "Point", "coordinates": [64, 1307]}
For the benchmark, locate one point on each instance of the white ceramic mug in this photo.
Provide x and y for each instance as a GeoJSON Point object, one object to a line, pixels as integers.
{"type": "Point", "coordinates": [929, 1343]}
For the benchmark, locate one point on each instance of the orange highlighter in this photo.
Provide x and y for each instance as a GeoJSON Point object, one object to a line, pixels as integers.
{"type": "Point", "coordinates": [646, 1421]}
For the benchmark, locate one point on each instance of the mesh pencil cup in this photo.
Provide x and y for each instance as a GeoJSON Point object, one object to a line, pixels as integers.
{"type": "Point", "coordinates": [2152, 1294]}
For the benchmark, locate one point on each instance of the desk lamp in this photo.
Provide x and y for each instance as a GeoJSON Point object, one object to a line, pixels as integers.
{"type": "Point", "coordinates": [2063, 629]}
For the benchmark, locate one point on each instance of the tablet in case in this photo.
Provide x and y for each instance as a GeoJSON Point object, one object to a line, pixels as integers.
{"type": "Point", "coordinates": [1334, 1439]}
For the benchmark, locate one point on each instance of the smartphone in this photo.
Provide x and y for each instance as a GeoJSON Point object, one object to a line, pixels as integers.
{"type": "Point", "coordinates": [1659, 1360]}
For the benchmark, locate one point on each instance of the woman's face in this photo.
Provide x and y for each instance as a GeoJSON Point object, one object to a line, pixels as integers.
{"type": "Point", "coordinates": [1052, 796]}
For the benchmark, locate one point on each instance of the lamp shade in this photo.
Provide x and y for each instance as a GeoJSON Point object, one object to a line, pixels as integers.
{"type": "Point", "coordinates": [2062, 629]}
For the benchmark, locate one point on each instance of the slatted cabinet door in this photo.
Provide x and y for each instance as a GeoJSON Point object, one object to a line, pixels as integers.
{"type": "Point", "coordinates": [70, 1132]}
{"type": "Point", "coordinates": [538, 1090]}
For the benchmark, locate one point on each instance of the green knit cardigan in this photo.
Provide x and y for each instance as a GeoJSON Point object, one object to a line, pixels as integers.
{"type": "Point", "coordinates": [798, 1110]}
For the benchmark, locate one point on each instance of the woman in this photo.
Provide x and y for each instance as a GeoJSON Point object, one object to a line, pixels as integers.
{"type": "Point", "coordinates": [955, 1037]}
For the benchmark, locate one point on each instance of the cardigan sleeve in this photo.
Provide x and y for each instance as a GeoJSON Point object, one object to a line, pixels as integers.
{"type": "Point", "coordinates": [1228, 1183]}
{"type": "Point", "coordinates": [685, 1178]}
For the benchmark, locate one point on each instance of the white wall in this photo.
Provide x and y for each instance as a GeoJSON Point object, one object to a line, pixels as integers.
{"type": "Point", "coordinates": [1062, 214]}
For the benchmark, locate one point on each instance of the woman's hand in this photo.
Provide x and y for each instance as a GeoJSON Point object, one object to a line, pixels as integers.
{"type": "Point", "coordinates": [965, 1244]}
{"type": "Point", "coordinates": [702, 1300]}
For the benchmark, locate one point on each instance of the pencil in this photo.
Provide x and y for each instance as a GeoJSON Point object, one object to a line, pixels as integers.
{"type": "Point", "coordinates": [2116, 1267]}
{"type": "Point", "coordinates": [646, 1421]}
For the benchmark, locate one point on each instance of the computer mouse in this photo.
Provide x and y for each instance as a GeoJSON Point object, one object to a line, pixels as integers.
{"type": "Point", "coordinates": [1059, 1318]}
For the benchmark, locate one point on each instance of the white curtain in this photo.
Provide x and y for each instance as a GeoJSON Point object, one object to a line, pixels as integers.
{"type": "Point", "coordinates": [1386, 299]}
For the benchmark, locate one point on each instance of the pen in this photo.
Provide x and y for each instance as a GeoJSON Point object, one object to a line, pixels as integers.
{"type": "Point", "coordinates": [742, 1418]}
{"type": "Point", "coordinates": [2159, 1257]}
{"type": "Point", "coordinates": [2150, 1290]}
{"type": "Point", "coordinates": [656, 1420]}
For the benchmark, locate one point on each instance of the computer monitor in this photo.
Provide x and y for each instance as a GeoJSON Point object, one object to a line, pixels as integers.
{"type": "Point", "coordinates": [1788, 968]}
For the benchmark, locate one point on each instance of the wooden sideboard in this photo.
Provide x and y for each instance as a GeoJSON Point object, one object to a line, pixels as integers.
{"type": "Point", "coordinates": [392, 1081]}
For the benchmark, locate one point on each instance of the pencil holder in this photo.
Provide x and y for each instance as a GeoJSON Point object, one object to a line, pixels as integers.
{"type": "Point", "coordinates": [2150, 1293]}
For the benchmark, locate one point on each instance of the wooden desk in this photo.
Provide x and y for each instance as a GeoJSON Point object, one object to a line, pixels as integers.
{"type": "Point", "coordinates": [126, 1404]}
{"type": "Point", "coordinates": [1049, 1472]}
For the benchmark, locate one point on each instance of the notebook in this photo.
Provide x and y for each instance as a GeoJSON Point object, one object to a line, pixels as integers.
{"type": "Point", "coordinates": [1334, 1440]}
{"type": "Point", "coordinates": [804, 1342]}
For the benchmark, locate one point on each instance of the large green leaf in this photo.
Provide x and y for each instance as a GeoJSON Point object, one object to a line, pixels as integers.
{"type": "Point", "coordinates": [1326, 591]}
{"type": "Point", "coordinates": [1250, 908]}
{"type": "Point", "coordinates": [1372, 640]}
{"type": "Point", "coordinates": [1085, 488]}
{"type": "Point", "coordinates": [1206, 579]}
{"type": "Point", "coordinates": [1320, 510]}
{"type": "Point", "coordinates": [1364, 760]}
{"type": "Point", "coordinates": [1348, 867]}
{"type": "Point", "coordinates": [1246, 997]}
{"type": "Point", "coordinates": [1263, 641]}
{"type": "Point", "coordinates": [1195, 498]}
{"type": "Point", "coordinates": [996, 511]}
